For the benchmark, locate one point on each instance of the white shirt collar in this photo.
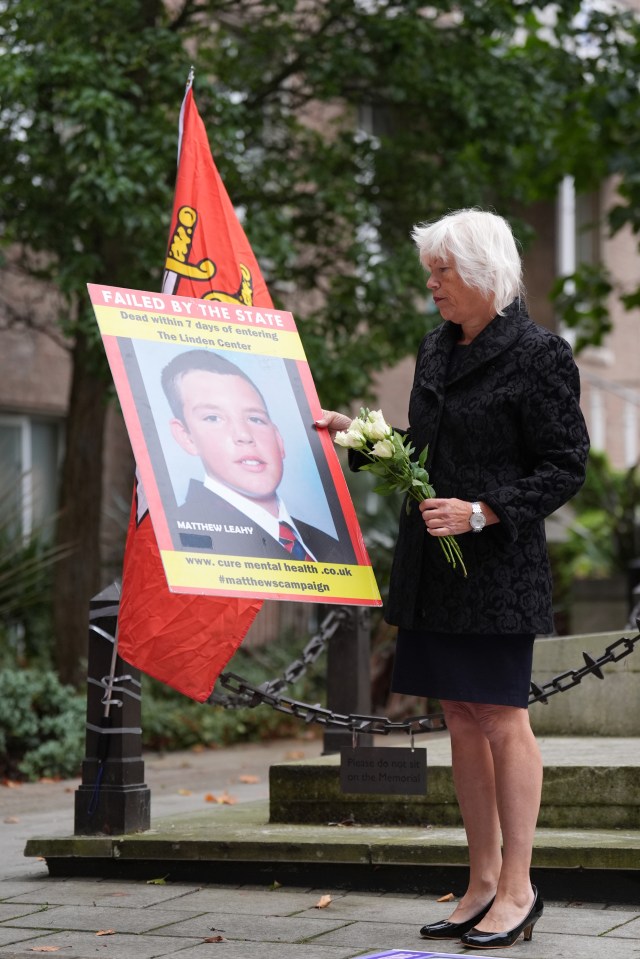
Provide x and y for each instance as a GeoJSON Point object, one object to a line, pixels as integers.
{"type": "Point", "coordinates": [262, 517]}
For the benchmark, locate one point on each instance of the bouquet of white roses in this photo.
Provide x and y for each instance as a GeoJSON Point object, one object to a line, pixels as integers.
{"type": "Point", "coordinates": [389, 456]}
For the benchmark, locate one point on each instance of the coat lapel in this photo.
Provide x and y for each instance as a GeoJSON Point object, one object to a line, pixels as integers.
{"type": "Point", "coordinates": [498, 336]}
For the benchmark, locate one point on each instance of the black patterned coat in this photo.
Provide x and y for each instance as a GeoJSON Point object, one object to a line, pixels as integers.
{"type": "Point", "coordinates": [506, 429]}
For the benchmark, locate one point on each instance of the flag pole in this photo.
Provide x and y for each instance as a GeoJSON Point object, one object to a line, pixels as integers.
{"type": "Point", "coordinates": [189, 84]}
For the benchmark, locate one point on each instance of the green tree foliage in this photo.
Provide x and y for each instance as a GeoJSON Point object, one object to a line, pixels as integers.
{"type": "Point", "coordinates": [86, 178]}
{"type": "Point", "coordinates": [603, 538]}
{"type": "Point", "coordinates": [335, 124]}
{"type": "Point", "coordinates": [607, 519]}
{"type": "Point", "coordinates": [608, 103]}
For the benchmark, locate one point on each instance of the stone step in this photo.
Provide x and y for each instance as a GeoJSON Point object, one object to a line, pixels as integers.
{"type": "Point", "coordinates": [238, 844]}
{"type": "Point", "coordinates": [588, 784]}
{"type": "Point", "coordinates": [245, 844]}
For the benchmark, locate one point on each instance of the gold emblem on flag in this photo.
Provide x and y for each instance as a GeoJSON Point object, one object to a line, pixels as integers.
{"type": "Point", "coordinates": [178, 264]}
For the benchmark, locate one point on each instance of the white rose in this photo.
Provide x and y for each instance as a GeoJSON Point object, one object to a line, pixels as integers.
{"type": "Point", "coordinates": [375, 427]}
{"type": "Point", "coordinates": [351, 438]}
{"type": "Point", "coordinates": [383, 449]}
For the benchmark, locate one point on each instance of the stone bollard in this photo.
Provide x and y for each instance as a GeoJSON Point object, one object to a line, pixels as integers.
{"type": "Point", "coordinates": [113, 798]}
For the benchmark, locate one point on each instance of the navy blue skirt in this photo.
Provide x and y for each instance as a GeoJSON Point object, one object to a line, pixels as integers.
{"type": "Point", "coordinates": [467, 668]}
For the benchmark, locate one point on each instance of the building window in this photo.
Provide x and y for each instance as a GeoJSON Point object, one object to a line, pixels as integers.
{"type": "Point", "coordinates": [578, 219]}
{"type": "Point", "coordinates": [30, 453]}
{"type": "Point", "coordinates": [588, 228]}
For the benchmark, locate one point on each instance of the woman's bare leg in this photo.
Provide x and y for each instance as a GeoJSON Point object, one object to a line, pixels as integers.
{"type": "Point", "coordinates": [517, 768]}
{"type": "Point", "coordinates": [497, 772]}
{"type": "Point", "coordinates": [474, 781]}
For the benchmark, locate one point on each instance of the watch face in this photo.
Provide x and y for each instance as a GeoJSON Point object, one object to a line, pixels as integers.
{"type": "Point", "coordinates": [477, 521]}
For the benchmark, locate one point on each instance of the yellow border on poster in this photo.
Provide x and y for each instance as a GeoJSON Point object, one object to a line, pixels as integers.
{"type": "Point", "coordinates": [242, 575]}
{"type": "Point", "coordinates": [173, 328]}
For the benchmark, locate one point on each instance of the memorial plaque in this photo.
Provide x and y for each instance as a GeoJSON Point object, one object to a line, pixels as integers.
{"type": "Point", "coordinates": [384, 769]}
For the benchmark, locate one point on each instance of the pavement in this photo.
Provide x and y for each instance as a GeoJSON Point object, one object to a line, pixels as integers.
{"type": "Point", "coordinates": [136, 919]}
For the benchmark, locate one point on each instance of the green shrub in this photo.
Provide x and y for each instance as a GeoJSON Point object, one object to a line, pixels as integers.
{"type": "Point", "coordinates": [42, 725]}
{"type": "Point", "coordinates": [42, 722]}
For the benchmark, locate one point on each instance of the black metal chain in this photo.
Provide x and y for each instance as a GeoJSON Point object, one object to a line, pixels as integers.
{"type": "Point", "coordinates": [243, 693]}
{"type": "Point", "coordinates": [246, 694]}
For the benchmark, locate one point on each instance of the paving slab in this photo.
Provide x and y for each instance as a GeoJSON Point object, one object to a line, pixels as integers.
{"type": "Point", "coordinates": [254, 902]}
{"type": "Point", "coordinates": [94, 919]}
{"type": "Point", "coordinates": [9, 936]}
{"type": "Point", "coordinates": [265, 950]}
{"type": "Point", "coordinates": [16, 910]}
{"type": "Point", "coordinates": [101, 892]}
{"type": "Point", "coordinates": [78, 945]}
{"type": "Point", "coordinates": [589, 922]}
{"type": "Point", "coordinates": [376, 935]}
{"type": "Point", "coordinates": [249, 928]}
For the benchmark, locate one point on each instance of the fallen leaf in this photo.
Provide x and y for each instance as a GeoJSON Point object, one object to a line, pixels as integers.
{"type": "Point", "coordinates": [198, 748]}
{"type": "Point", "coordinates": [49, 779]}
{"type": "Point", "coordinates": [11, 819]}
{"type": "Point", "coordinates": [106, 932]}
{"type": "Point", "coordinates": [162, 881]}
{"type": "Point", "coordinates": [11, 783]}
{"type": "Point", "coordinates": [184, 792]}
{"type": "Point", "coordinates": [447, 898]}
{"type": "Point", "coordinates": [223, 799]}
{"type": "Point", "coordinates": [295, 754]}
{"type": "Point", "coordinates": [45, 948]}
{"type": "Point", "coordinates": [248, 779]}
{"type": "Point", "coordinates": [323, 902]}
{"type": "Point", "coordinates": [214, 939]}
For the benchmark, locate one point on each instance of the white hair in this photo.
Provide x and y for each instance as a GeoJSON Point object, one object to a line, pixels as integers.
{"type": "Point", "coordinates": [483, 248]}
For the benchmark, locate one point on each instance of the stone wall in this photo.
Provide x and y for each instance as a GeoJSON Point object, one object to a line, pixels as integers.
{"type": "Point", "coordinates": [596, 707]}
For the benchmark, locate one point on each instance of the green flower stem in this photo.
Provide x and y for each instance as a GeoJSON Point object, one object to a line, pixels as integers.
{"type": "Point", "coordinates": [400, 474]}
{"type": "Point", "coordinates": [449, 544]}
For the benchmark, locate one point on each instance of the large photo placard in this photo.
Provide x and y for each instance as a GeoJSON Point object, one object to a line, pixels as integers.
{"type": "Point", "coordinates": [245, 496]}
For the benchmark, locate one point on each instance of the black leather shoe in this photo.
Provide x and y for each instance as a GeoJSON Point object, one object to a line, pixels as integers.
{"type": "Point", "coordinates": [476, 939]}
{"type": "Point", "coordinates": [452, 930]}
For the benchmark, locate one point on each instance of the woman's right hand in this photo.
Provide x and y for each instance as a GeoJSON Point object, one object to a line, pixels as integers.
{"type": "Point", "coordinates": [334, 422]}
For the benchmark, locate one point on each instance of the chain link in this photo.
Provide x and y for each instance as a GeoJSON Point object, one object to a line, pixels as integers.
{"type": "Point", "coordinates": [246, 694]}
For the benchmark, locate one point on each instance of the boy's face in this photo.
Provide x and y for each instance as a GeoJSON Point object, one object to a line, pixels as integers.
{"type": "Point", "coordinates": [227, 426]}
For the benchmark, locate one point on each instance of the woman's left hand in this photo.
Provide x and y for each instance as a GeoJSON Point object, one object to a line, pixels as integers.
{"type": "Point", "coordinates": [450, 517]}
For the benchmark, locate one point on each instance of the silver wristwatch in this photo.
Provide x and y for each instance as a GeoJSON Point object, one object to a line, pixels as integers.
{"type": "Point", "coordinates": [477, 520]}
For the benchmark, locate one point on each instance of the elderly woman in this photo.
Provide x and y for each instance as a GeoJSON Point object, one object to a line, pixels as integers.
{"type": "Point", "coordinates": [496, 397]}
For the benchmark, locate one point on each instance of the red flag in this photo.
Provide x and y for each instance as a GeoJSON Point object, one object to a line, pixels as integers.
{"type": "Point", "coordinates": [184, 640]}
{"type": "Point", "coordinates": [209, 255]}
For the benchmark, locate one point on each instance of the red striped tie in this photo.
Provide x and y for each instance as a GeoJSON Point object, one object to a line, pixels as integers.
{"type": "Point", "coordinates": [291, 542]}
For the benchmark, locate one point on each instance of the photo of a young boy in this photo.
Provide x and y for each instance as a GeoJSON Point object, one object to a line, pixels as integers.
{"type": "Point", "coordinates": [221, 417]}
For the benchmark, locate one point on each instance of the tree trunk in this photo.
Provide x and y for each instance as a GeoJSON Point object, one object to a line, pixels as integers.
{"type": "Point", "coordinates": [77, 578]}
